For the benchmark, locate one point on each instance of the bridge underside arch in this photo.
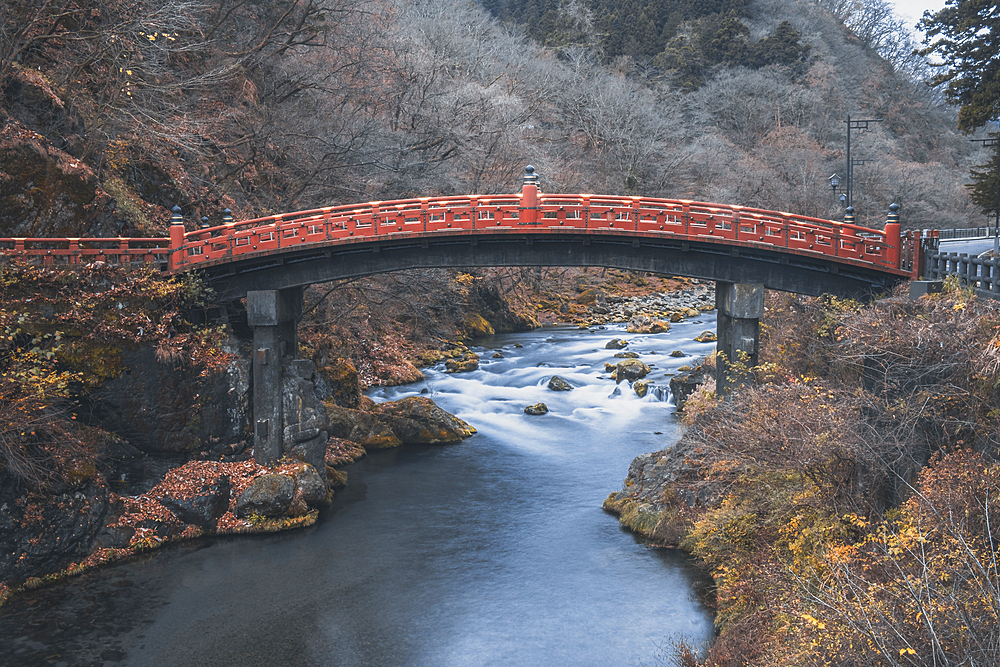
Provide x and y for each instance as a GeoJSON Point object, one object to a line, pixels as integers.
{"type": "Point", "coordinates": [273, 286]}
{"type": "Point", "coordinates": [774, 269]}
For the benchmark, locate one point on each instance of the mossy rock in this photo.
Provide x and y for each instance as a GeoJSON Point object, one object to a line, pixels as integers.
{"type": "Point", "coordinates": [342, 378]}
{"type": "Point", "coordinates": [475, 326]}
{"type": "Point", "coordinates": [361, 427]}
{"type": "Point", "coordinates": [417, 420]}
{"type": "Point", "coordinates": [706, 337]}
{"type": "Point", "coordinates": [536, 409]}
{"type": "Point", "coordinates": [465, 365]}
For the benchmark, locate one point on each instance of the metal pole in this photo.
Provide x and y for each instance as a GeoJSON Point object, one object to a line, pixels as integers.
{"type": "Point", "coordinates": [857, 125]}
{"type": "Point", "coordinates": [850, 175]}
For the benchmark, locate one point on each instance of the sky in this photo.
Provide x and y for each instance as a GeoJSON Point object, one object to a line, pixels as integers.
{"type": "Point", "coordinates": [911, 10]}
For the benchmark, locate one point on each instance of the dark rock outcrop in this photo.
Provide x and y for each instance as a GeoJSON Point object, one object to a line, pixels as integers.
{"type": "Point", "coordinates": [203, 508]}
{"type": "Point", "coordinates": [536, 409]}
{"type": "Point", "coordinates": [305, 417]}
{"type": "Point", "coordinates": [160, 406]}
{"type": "Point", "coordinates": [43, 533]}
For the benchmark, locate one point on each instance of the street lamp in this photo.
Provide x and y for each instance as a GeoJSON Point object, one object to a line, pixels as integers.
{"type": "Point", "coordinates": [835, 186]}
{"type": "Point", "coordinates": [990, 143]}
{"type": "Point", "coordinates": [855, 125]}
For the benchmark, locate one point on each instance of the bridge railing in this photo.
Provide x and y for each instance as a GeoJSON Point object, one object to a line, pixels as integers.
{"type": "Point", "coordinates": [526, 212]}
{"type": "Point", "coordinates": [980, 273]}
{"type": "Point", "coordinates": [532, 211]}
{"type": "Point", "coordinates": [74, 251]}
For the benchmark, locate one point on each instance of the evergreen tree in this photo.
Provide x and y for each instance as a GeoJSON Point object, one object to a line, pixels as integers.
{"type": "Point", "coordinates": [780, 48]}
{"type": "Point", "coordinates": [964, 35]}
{"type": "Point", "coordinates": [985, 186]}
{"type": "Point", "coordinates": [729, 43]}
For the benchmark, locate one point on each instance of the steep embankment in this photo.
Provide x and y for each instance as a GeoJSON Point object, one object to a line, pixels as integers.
{"type": "Point", "coordinates": [844, 499]}
{"type": "Point", "coordinates": [124, 426]}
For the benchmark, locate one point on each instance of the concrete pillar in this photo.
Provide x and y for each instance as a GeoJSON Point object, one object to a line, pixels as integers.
{"type": "Point", "coordinates": [272, 314]}
{"type": "Point", "coordinates": [740, 307]}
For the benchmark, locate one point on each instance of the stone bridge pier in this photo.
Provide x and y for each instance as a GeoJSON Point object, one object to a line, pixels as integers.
{"type": "Point", "coordinates": [739, 308]}
{"type": "Point", "coordinates": [272, 314]}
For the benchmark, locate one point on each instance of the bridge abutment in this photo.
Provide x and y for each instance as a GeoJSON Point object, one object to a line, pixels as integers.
{"type": "Point", "coordinates": [740, 307]}
{"type": "Point", "coordinates": [272, 314]}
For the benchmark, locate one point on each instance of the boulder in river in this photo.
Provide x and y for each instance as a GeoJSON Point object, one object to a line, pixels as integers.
{"type": "Point", "coordinates": [362, 427]}
{"type": "Point", "coordinates": [706, 337]}
{"type": "Point", "coordinates": [308, 483]}
{"type": "Point", "coordinates": [616, 344]}
{"type": "Point", "coordinates": [267, 495]}
{"type": "Point", "coordinates": [558, 384]}
{"type": "Point", "coordinates": [626, 355]}
{"type": "Point", "coordinates": [629, 369]}
{"type": "Point", "coordinates": [417, 420]}
{"type": "Point", "coordinates": [536, 409]}
{"type": "Point", "coordinates": [468, 362]}
{"type": "Point", "coordinates": [641, 387]}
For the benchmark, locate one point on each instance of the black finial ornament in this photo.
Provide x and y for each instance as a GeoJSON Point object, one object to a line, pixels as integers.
{"type": "Point", "coordinates": [530, 177]}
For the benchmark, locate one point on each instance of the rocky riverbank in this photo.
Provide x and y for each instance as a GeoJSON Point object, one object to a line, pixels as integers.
{"type": "Point", "coordinates": [165, 453]}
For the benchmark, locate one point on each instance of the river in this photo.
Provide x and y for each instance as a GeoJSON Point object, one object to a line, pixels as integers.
{"type": "Point", "coordinates": [494, 551]}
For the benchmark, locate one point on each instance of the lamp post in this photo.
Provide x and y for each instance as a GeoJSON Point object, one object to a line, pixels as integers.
{"type": "Point", "coordinates": [835, 186]}
{"type": "Point", "coordinates": [856, 124]}
{"type": "Point", "coordinates": [990, 143]}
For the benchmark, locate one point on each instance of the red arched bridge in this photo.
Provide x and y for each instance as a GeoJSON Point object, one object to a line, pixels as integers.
{"type": "Point", "coordinates": [668, 236]}
{"type": "Point", "coordinates": [269, 260]}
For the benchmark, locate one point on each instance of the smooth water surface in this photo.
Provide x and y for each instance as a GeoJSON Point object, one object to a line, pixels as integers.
{"type": "Point", "coordinates": [494, 551]}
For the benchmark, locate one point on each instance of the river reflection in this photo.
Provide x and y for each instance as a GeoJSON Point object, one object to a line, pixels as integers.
{"type": "Point", "coordinates": [490, 552]}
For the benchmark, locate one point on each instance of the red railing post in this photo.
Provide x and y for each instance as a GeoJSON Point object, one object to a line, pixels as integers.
{"type": "Point", "coordinates": [892, 236]}
{"type": "Point", "coordinates": [176, 240]}
{"type": "Point", "coordinates": [529, 195]}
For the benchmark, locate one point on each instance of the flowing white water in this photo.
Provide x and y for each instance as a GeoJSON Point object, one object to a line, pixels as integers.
{"type": "Point", "coordinates": [493, 551]}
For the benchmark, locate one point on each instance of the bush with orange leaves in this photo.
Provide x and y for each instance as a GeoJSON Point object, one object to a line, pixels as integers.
{"type": "Point", "coordinates": [830, 538]}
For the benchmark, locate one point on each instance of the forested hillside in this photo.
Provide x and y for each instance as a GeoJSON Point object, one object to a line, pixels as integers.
{"type": "Point", "coordinates": [113, 111]}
